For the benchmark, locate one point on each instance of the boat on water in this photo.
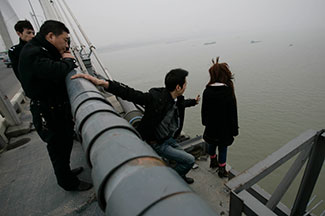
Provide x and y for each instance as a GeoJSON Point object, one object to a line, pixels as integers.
{"type": "Point", "coordinates": [113, 178]}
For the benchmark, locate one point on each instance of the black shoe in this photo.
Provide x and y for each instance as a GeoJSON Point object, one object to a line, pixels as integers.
{"type": "Point", "coordinates": [77, 171]}
{"type": "Point", "coordinates": [223, 173]}
{"type": "Point", "coordinates": [214, 162]}
{"type": "Point", "coordinates": [188, 180]}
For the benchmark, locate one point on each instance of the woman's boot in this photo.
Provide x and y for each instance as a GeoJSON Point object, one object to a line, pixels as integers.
{"type": "Point", "coordinates": [214, 162]}
{"type": "Point", "coordinates": [222, 172]}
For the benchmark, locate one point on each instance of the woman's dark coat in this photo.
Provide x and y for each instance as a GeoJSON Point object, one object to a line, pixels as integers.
{"type": "Point", "coordinates": [219, 114]}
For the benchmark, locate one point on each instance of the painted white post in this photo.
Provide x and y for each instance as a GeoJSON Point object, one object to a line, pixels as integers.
{"type": "Point", "coordinates": [7, 110]}
{"type": "Point", "coordinates": [4, 33]}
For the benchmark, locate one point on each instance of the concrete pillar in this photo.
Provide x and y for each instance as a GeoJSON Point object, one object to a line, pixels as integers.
{"type": "Point", "coordinates": [4, 33]}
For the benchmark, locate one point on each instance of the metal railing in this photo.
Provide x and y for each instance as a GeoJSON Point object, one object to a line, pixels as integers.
{"type": "Point", "coordinates": [247, 197]}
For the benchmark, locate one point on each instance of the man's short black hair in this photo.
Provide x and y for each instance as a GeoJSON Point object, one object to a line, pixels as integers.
{"type": "Point", "coordinates": [175, 77]}
{"type": "Point", "coordinates": [23, 24]}
{"type": "Point", "coordinates": [53, 26]}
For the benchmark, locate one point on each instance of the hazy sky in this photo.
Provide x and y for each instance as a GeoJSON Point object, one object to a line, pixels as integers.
{"type": "Point", "coordinates": [124, 21]}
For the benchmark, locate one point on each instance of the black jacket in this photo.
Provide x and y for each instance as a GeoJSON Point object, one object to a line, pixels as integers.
{"type": "Point", "coordinates": [156, 102]}
{"type": "Point", "coordinates": [219, 113]}
{"type": "Point", "coordinates": [182, 104]}
{"type": "Point", "coordinates": [14, 53]}
{"type": "Point", "coordinates": [43, 72]}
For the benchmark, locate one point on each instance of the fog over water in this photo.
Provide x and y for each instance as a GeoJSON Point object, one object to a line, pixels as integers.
{"type": "Point", "coordinates": [279, 84]}
{"type": "Point", "coordinates": [118, 22]}
{"type": "Point", "coordinates": [276, 50]}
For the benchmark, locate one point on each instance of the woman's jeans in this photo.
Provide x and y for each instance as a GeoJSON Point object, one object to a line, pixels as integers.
{"type": "Point", "coordinates": [172, 151]}
{"type": "Point", "coordinates": [222, 150]}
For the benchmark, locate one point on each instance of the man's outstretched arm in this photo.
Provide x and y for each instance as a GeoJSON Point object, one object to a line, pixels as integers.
{"type": "Point", "coordinates": [118, 89]}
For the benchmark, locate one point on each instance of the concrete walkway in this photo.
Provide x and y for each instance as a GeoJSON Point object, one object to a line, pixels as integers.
{"type": "Point", "coordinates": [210, 187]}
{"type": "Point", "coordinates": [28, 185]}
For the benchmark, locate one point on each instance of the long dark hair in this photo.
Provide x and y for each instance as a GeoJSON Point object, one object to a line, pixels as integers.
{"type": "Point", "coordinates": [220, 72]}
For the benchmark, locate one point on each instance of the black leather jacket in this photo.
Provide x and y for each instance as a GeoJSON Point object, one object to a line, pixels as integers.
{"type": "Point", "coordinates": [156, 102]}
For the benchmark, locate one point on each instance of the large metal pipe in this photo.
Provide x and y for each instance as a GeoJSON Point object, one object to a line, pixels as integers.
{"type": "Point", "coordinates": [129, 177]}
{"type": "Point", "coordinates": [132, 114]}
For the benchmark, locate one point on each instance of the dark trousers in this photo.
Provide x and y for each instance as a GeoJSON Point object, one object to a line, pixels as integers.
{"type": "Point", "coordinates": [222, 145]}
{"type": "Point", "coordinates": [59, 150]}
{"type": "Point", "coordinates": [55, 127]}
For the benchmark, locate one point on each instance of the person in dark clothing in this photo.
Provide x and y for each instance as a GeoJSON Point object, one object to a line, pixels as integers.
{"type": "Point", "coordinates": [219, 115]}
{"type": "Point", "coordinates": [25, 31]}
{"type": "Point", "coordinates": [160, 121]}
{"type": "Point", "coordinates": [44, 63]}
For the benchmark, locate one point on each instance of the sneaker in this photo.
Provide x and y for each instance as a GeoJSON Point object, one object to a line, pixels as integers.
{"type": "Point", "coordinates": [77, 171]}
{"type": "Point", "coordinates": [188, 180]}
{"type": "Point", "coordinates": [222, 172]}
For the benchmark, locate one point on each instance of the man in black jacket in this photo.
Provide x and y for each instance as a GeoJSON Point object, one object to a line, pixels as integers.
{"type": "Point", "coordinates": [44, 63]}
{"type": "Point", "coordinates": [161, 120]}
{"type": "Point", "coordinates": [25, 31]}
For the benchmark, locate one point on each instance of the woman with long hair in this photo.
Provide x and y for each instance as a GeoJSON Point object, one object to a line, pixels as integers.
{"type": "Point", "coordinates": [219, 115]}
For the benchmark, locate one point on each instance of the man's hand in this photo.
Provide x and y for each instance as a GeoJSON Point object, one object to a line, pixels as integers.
{"type": "Point", "coordinates": [94, 80]}
{"type": "Point", "coordinates": [67, 55]}
{"type": "Point", "coordinates": [197, 99]}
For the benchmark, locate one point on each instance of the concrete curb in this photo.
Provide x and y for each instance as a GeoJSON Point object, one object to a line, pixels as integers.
{"type": "Point", "coordinates": [16, 101]}
{"type": "Point", "coordinates": [3, 138]}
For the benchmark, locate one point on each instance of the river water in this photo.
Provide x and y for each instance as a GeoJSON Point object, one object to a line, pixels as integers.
{"type": "Point", "coordinates": [279, 84]}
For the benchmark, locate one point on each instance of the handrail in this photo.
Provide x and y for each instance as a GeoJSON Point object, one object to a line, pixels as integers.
{"type": "Point", "coordinates": [313, 168]}
{"type": "Point", "coordinates": [311, 146]}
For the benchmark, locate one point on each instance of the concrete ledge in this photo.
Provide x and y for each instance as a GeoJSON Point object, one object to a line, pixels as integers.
{"type": "Point", "coordinates": [18, 130]}
{"type": "Point", "coordinates": [17, 142]}
{"type": "Point", "coordinates": [3, 138]}
{"type": "Point", "coordinates": [3, 145]}
{"type": "Point", "coordinates": [191, 144]}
